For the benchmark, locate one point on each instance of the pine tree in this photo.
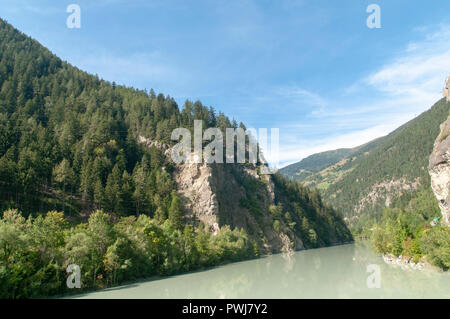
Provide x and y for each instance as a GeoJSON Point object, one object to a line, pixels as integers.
{"type": "Point", "coordinates": [175, 211]}
{"type": "Point", "coordinates": [99, 194]}
{"type": "Point", "coordinates": [63, 174]}
{"type": "Point", "coordinates": [139, 196]}
{"type": "Point", "coordinates": [113, 200]}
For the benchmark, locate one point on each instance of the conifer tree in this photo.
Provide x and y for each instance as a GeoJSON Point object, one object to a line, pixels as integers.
{"type": "Point", "coordinates": [175, 211]}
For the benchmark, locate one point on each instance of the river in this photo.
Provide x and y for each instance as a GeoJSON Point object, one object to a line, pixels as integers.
{"type": "Point", "coordinates": [332, 272]}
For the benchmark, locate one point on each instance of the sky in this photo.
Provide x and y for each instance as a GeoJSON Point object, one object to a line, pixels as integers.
{"type": "Point", "coordinates": [311, 68]}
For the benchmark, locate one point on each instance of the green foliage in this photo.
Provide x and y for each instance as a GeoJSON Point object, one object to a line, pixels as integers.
{"type": "Point", "coordinates": [303, 211]}
{"type": "Point", "coordinates": [436, 244]}
{"type": "Point", "coordinates": [403, 154]}
{"type": "Point", "coordinates": [296, 206]}
{"type": "Point", "coordinates": [314, 163]}
{"type": "Point", "coordinates": [406, 230]}
{"type": "Point", "coordinates": [276, 226]}
{"type": "Point", "coordinates": [34, 253]}
{"type": "Point", "coordinates": [175, 211]}
{"type": "Point", "coordinates": [68, 142]}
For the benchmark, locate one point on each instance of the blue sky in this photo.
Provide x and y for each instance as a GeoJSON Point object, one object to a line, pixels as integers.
{"type": "Point", "coordinates": [311, 68]}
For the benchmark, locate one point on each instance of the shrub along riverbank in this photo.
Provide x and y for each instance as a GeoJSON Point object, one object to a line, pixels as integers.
{"type": "Point", "coordinates": [35, 252]}
{"type": "Point", "coordinates": [406, 230]}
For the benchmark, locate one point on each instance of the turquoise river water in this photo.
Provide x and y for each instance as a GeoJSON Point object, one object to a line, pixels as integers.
{"type": "Point", "coordinates": [332, 272]}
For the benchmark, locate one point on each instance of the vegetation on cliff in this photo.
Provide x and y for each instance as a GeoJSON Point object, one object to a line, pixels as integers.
{"type": "Point", "coordinates": [316, 223]}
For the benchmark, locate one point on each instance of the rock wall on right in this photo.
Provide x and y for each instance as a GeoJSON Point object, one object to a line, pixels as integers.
{"type": "Point", "coordinates": [439, 169]}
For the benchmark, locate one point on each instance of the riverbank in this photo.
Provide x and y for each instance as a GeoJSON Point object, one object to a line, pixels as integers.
{"type": "Point", "coordinates": [407, 263]}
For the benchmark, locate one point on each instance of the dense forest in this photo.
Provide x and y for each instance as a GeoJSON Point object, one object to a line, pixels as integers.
{"type": "Point", "coordinates": [68, 139]}
{"type": "Point", "coordinates": [323, 169]}
{"type": "Point", "coordinates": [77, 187]}
{"type": "Point", "coordinates": [303, 210]}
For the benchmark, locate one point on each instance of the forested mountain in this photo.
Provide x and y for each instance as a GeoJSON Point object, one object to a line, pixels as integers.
{"type": "Point", "coordinates": [416, 225]}
{"type": "Point", "coordinates": [381, 172]}
{"type": "Point", "coordinates": [95, 155]}
{"type": "Point", "coordinates": [383, 188]}
{"type": "Point", "coordinates": [69, 141]}
{"type": "Point", "coordinates": [322, 169]}
{"type": "Point", "coordinates": [314, 163]}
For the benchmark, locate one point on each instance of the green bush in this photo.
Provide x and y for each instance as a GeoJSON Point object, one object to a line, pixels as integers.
{"type": "Point", "coordinates": [407, 231]}
{"type": "Point", "coordinates": [34, 253]}
{"type": "Point", "coordinates": [436, 243]}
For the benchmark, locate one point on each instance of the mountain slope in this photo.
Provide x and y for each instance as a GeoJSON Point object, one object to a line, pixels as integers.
{"type": "Point", "coordinates": [325, 168]}
{"type": "Point", "coordinates": [314, 163]}
{"type": "Point", "coordinates": [74, 143]}
{"type": "Point", "coordinates": [415, 228]}
{"type": "Point", "coordinates": [385, 169]}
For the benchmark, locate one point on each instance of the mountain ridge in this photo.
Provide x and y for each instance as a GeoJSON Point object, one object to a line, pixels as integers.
{"type": "Point", "coordinates": [383, 169]}
{"type": "Point", "coordinates": [317, 162]}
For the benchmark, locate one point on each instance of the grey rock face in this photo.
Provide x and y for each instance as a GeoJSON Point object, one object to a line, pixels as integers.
{"type": "Point", "coordinates": [211, 195]}
{"type": "Point", "coordinates": [439, 169]}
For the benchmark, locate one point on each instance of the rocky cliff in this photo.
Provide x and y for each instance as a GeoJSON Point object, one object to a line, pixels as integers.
{"type": "Point", "coordinates": [439, 169]}
{"type": "Point", "coordinates": [213, 194]}
{"type": "Point", "coordinates": [239, 196]}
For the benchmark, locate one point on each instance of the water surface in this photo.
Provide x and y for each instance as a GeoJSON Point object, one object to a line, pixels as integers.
{"type": "Point", "coordinates": [332, 272]}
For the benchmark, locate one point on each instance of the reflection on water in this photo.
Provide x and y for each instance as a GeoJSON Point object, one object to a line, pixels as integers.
{"type": "Point", "coordinates": [333, 272]}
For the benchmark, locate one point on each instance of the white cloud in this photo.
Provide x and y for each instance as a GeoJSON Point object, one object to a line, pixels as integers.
{"type": "Point", "coordinates": [418, 74]}
{"type": "Point", "coordinates": [298, 95]}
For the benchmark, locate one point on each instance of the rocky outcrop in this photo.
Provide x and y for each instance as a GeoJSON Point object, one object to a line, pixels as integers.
{"type": "Point", "coordinates": [211, 194]}
{"type": "Point", "coordinates": [194, 183]}
{"type": "Point", "coordinates": [406, 262]}
{"type": "Point", "coordinates": [439, 169]}
{"type": "Point", "coordinates": [149, 143]}
{"type": "Point", "coordinates": [446, 92]}
{"type": "Point", "coordinates": [387, 192]}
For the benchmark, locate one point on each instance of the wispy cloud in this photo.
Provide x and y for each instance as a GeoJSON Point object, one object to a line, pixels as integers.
{"type": "Point", "coordinates": [400, 89]}
{"type": "Point", "coordinates": [139, 65]}
{"type": "Point", "coordinates": [416, 76]}
{"type": "Point", "coordinates": [301, 96]}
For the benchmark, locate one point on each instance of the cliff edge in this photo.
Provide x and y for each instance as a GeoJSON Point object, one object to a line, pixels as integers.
{"type": "Point", "coordinates": [439, 169]}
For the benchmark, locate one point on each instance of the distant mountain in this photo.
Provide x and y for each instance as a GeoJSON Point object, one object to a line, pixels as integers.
{"type": "Point", "coordinates": [374, 175]}
{"type": "Point", "coordinates": [322, 169]}
{"type": "Point", "coordinates": [314, 163]}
